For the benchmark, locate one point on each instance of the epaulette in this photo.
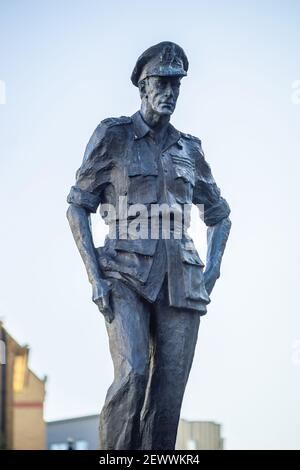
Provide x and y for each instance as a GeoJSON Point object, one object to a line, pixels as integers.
{"type": "Point", "coordinates": [116, 121]}
{"type": "Point", "coordinates": [190, 137]}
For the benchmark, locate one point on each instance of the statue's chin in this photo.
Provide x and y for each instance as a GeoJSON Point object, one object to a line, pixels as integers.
{"type": "Point", "coordinates": [166, 111]}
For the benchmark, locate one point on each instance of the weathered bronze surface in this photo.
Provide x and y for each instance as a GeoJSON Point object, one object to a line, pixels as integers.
{"type": "Point", "coordinates": [149, 284]}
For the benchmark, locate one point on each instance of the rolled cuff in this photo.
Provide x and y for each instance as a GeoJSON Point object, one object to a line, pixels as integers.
{"type": "Point", "coordinates": [82, 198]}
{"type": "Point", "coordinates": [216, 212]}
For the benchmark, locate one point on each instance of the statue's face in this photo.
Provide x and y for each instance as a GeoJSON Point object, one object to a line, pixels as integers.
{"type": "Point", "coordinates": [162, 93]}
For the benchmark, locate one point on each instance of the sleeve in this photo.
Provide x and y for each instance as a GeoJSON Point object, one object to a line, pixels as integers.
{"type": "Point", "coordinates": [206, 191]}
{"type": "Point", "coordinates": [94, 173]}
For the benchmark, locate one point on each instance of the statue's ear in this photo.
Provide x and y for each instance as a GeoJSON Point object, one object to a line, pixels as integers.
{"type": "Point", "coordinates": [142, 88]}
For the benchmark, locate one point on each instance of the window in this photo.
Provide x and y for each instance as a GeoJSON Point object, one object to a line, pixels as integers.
{"type": "Point", "coordinates": [59, 446]}
{"type": "Point", "coordinates": [191, 445]}
{"type": "Point", "coordinates": [81, 445]}
{"type": "Point", "coordinates": [77, 445]}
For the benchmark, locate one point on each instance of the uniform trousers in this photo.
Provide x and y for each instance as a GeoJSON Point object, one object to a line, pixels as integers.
{"type": "Point", "coordinates": [152, 347]}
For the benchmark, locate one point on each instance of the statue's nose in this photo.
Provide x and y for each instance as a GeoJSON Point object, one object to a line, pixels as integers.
{"type": "Point", "coordinates": [169, 90]}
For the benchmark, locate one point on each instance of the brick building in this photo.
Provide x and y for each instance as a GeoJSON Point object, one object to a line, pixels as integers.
{"type": "Point", "coordinates": [22, 396]}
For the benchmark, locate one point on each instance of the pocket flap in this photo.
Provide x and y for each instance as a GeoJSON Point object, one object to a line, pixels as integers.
{"type": "Point", "coordinates": [191, 257]}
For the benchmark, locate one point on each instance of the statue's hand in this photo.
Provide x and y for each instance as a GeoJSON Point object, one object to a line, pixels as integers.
{"type": "Point", "coordinates": [210, 278]}
{"type": "Point", "coordinates": [101, 290]}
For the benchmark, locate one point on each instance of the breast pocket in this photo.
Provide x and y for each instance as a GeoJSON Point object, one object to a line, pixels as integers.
{"type": "Point", "coordinates": [142, 189]}
{"type": "Point", "coordinates": [142, 176]}
{"type": "Point", "coordinates": [184, 178]}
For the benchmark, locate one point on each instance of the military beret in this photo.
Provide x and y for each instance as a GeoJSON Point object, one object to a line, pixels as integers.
{"type": "Point", "coordinates": [164, 59]}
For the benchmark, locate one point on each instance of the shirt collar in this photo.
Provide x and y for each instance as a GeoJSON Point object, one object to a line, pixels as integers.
{"type": "Point", "coordinates": [141, 129]}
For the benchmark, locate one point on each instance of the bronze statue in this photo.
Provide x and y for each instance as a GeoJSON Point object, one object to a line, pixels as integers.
{"type": "Point", "coordinates": [152, 289]}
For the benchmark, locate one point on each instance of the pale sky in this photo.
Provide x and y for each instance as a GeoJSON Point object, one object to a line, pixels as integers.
{"type": "Point", "coordinates": [66, 66]}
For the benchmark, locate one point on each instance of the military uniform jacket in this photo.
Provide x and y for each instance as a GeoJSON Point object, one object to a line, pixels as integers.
{"type": "Point", "coordinates": [122, 162]}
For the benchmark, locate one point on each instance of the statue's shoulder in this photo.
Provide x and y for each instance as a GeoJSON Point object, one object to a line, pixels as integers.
{"type": "Point", "coordinates": [111, 123]}
{"type": "Point", "coordinates": [116, 121]}
{"type": "Point", "coordinates": [193, 141]}
{"type": "Point", "coordinates": [107, 127]}
{"type": "Point", "coordinates": [190, 137]}
{"type": "Point", "coordinates": [202, 166]}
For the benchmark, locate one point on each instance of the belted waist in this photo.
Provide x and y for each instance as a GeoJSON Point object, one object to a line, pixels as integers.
{"type": "Point", "coordinates": [151, 227]}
